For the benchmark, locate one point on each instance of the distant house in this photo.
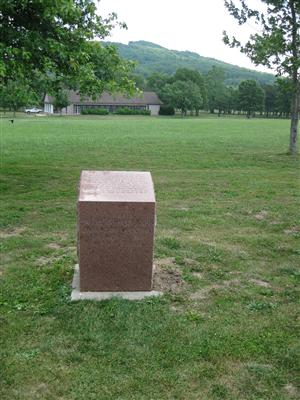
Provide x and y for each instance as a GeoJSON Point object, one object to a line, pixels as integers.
{"type": "Point", "coordinates": [146, 101]}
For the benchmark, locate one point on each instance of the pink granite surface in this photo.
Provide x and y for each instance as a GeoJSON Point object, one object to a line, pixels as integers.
{"type": "Point", "coordinates": [116, 218]}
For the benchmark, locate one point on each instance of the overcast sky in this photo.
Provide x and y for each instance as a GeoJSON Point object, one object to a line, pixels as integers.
{"type": "Point", "coordinates": [194, 25]}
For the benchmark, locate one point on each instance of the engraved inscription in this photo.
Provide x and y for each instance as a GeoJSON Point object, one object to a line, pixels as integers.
{"type": "Point", "coordinates": [119, 222]}
{"type": "Point", "coordinates": [117, 186]}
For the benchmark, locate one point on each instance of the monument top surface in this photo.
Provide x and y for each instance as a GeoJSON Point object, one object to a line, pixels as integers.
{"type": "Point", "coordinates": [116, 186]}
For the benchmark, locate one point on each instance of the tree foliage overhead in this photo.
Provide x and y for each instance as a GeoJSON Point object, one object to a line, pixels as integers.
{"type": "Point", "coordinates": [57, 39]}
{"type": "Point", "coordinates": [276, 46]}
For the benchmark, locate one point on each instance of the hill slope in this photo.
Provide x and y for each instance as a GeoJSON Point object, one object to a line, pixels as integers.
{"type": "Point", "coordinates": [154, 58]}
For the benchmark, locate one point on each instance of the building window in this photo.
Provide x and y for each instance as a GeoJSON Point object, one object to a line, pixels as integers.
{"type": "Point", "coordinates": [110, 107]}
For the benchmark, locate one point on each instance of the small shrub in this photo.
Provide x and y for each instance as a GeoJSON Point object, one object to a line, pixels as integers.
{"type": "Point", "coordinates": [94, 111]}
{"type": "Point", "coordinates": [166, 110]}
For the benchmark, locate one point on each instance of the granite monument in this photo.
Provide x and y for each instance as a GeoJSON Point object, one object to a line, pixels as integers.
{"type": "Point", "coordinates": [116, 221]}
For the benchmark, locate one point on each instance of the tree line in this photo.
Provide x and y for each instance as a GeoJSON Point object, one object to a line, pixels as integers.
{"type": "Point", "coordinates": [190, 91]}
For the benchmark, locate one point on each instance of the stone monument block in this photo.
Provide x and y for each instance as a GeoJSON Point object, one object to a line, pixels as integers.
{"type": "Point", "coordinates": [116, 220]}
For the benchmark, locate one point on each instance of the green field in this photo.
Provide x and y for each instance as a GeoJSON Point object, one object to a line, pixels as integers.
{"type": "Point", "coordinates": [226, 248]}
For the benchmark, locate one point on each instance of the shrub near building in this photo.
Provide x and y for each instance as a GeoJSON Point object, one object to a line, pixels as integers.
{"type": "Point", "coordinates": [94, 111]}
{"type": "Point", "coordinates": [131, 111]}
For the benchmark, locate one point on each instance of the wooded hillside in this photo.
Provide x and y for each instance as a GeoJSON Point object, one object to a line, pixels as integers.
{"type": "Point", "coordinates": [154, 58]}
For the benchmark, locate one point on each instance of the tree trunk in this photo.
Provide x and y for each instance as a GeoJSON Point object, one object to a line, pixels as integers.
{"type": "Point", "coordinates": [296, 84]}
{"type": "Point", "coordinates": [294, 121]}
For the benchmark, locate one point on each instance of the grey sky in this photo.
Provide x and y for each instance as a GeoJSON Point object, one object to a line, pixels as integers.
{"type": "Point", "coordinates": [194, 25]}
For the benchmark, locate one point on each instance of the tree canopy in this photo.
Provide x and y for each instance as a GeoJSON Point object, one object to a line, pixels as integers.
{"type": "Point", "coordinates": [184, 95]}
{"type": "Point", "coordinates": [216, 88]}
{"type": "Point", "coordinates": [185, 74]}
{"type": "Point", "coordinates": [250, 96]}
{"type": "Point", "coordinates": [57, 39]}
{"type": "Point", "coordinates": [61, 100]}
{"type": "Point", "coordinates": [221, 97]}
{"type": "Point", "coordinates": [16, 94]}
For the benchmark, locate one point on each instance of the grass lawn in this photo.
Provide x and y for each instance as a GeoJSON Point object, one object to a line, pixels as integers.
{"type": "Point", "coordinates": [228, 233]}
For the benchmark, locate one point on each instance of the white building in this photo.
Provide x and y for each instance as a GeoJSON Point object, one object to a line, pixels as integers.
{"type": "Point", "coordinates": [146, 101]}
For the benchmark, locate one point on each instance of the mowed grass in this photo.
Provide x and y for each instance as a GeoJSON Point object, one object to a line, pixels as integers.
{"type": "Point", "coordinates": [227, 224]}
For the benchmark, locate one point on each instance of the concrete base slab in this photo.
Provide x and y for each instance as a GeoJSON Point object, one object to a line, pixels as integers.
{"type": "Point", "coordinates": [99, 296]}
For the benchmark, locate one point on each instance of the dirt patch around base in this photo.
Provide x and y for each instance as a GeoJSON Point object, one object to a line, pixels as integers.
{"type": "Point", "coordinates": [72, 249]}
{"type": "Point", "coordinates": [189, 262]}
{"type": "Point", "coordinates": [275, 222]}
{"type": "Point", "coordinates": [167, 262]}
{"type": "Point", "coordinates": [62, 235]}
{"type": "Point", "coordinates": [167, 280]}
{"type": "Point", "coordinates": [53, 246]}
{"type": "Point", "coordinates": [261, 215]}
{"type": "Point", "coordinates": [291, 390]}
{"type": "Point", "coordinates": [292, 231]}
{"type": "Point", "coordinates": [44, 261]}
{"type": "Point", "coordinates": [204, 293]}
{"type": "Point", "coordinates": [198, 275]}
{"type": "Point", "coordinates": [11, 232]}
{"type": "Point", "coordinates": [261, 283]}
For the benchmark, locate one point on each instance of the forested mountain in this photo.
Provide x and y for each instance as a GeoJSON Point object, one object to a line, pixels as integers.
{"type": "Point", "coordinates": [154, 58]}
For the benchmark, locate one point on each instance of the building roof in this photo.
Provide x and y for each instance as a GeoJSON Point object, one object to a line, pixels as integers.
{"type": "Point", "coordinates": [145, 98]}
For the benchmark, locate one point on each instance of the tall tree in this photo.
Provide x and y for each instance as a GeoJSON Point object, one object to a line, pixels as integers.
{"type": "Point", "coordinates": [251, 97]}
{"type": "Point", "coordinates": [284, 89]}
{"type": "Point", "coordinates": [56, 39]}
{"type": "Point", "coordinates": [216, 88]}
{"type": "Point", "coordinates": [157, 81]}
{"type": "Point", "coordinates": [61, 100]}
{"type": "Point", "coordinates": [186, 74]}
{"type": "Point", "coordinates": [271, 96]}
{"type": "Point", "coordinates": [232, 99]}
{"type": "Point", "coordinates": [277, 46]}
{"type": "Point", "coordinates": [184, 95]}
{"type": "Point", "coordinates": [16, 94]}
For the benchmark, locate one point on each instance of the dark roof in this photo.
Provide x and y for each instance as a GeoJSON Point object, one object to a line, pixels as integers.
{"type": "Point", "coordinates": [108, 99]}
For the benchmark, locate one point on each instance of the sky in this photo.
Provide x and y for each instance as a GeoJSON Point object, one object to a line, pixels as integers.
{"type": "Point", "coordinates": [194, 25]}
